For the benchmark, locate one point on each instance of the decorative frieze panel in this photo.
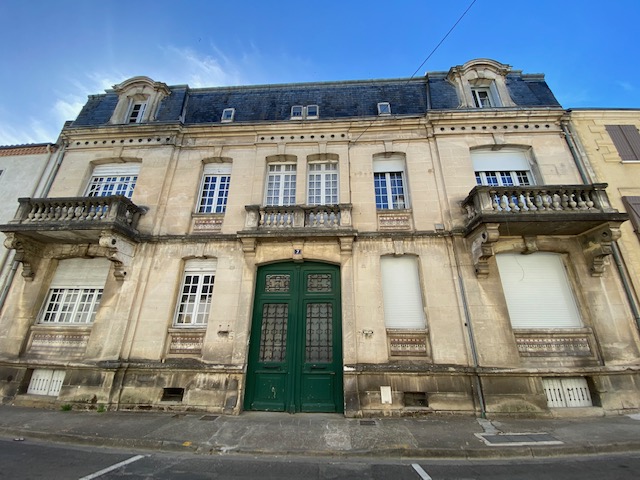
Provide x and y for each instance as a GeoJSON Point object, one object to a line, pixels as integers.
{"type": "Point", "coordinates": [394, 220]}
{"type": "Point", "coordinates": [186, 342]}
{"type": "Point", "coordinates": [555, 344]}
{"type": "Point", "coordinates": [408, 343]}
{"type": "Point", "coordinates": [210, 223]}
{"type": "Point", "coordinates": [51, 342]}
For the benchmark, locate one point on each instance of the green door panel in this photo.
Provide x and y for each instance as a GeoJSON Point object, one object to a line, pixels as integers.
{"type": "Point", "coordinates": [295, 351]}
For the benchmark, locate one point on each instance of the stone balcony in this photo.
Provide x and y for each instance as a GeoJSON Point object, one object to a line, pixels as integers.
{"type": "Point", "coordinates": [298, 221]}
{"type": "Point", "coordinates": [583, 211]}
{"type": "Point", "coordinates": [107, 224]}
{"type": "Point", "coordinates": [74, 219]}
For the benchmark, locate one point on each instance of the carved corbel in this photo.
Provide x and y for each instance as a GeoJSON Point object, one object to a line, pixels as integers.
{"type": "Point", "coordinates": [597, 245]}
{"type": "Point", "coordinates": [118, 250]}
{"type": "Point", "coordinates": [248, 245]}
{"type": "Point", "coordinates": [482, 248]}
{"type": "Point", "coordinates": [346, 244]}
{"type": "Point", "coordinates": [28, 252]}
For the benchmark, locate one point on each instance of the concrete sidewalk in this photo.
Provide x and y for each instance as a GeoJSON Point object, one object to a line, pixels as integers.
{"type": "Point", "coordinates": [432, 436]}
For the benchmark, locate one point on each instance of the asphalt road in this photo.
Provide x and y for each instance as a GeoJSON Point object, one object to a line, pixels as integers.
{"type": "Point", "coordinates": [39, 460]}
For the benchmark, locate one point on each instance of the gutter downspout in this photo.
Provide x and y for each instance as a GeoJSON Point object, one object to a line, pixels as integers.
{"type": "Point", "coordinates": [617, 256]}
{"type": "Point", "coordinates": [14, 265]}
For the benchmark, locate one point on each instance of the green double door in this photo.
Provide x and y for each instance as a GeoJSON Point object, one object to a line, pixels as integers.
{"type": "Point", "coordinates": [295, 352]}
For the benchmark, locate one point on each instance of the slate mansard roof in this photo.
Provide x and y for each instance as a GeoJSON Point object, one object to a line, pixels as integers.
{"type": "Point", "coordinates": [336, 100]}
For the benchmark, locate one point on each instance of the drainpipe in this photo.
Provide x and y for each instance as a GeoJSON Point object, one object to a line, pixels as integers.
{"type": "Point", "coordinates": [14, 265]}
{"type": "Point", "coordinates": [617, 256]}
{"type": "Point", "coordinates": [468, 324]}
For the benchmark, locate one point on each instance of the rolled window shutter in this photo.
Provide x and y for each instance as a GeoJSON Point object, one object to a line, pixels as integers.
{"type": "Point", "coordinates": [391, 164]}
{"type": "Point", "coordinates": [402, 293]}
{"type": "Point", "coordinates": [81, 272]}
{"type": "Point", "coordinates": [201, 265]}
{"type": "Point", "coordinates": [501, 160]}
{"type": "Point", "coordinates": [537, 291]}
{"type": "Point", "coordinates": [116, 169]}
{"type": "Point", "coordinates": [217, 169]}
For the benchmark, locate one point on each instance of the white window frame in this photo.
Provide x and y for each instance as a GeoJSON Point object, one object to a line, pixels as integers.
{"type": "Point", "coordinates": [537, 291]}
{"type": "Point", "coordinates": [214, 188]}
{"type": "Point", "coordinates": [384, 108]}
{"type": "Point", "coordinates": [301, 112]}
{"type": "Point", "coordinates": [46, 382]}
{"type": "Point", "coordinates": [507, 167]}
{"type": "Point", "coordinates": [75, 292]}
{"type": "Point", "coordinates": [402, 293]}
{"type": "Point", "coordinates": [135, 113]}
{"type": "Point", "coordinates": [228, 115]}
{"type": "Point", "coordinates": [482, 97]}
{"type": "Point", "coordinates": [113, 179]}
{"type": "Point", "coordinates": [196, 293]}
{"type": "Point", "coordinates": [322, 183]}
{"type": "Point", "coordinates": [386, 173]}
{"type": "Point", "coordinates": [280, 188]}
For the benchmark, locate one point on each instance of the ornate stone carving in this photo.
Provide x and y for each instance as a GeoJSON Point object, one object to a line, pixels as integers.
{"type": "Point", "coordinates": [403, 344]}
{"type": "Point", "coordinates": [394, 220]}
{"type": "Point", "coordinates": [597, 246]}
{"type": "Point", "coordinates": [28, 252]}
{"type": "Point", "coordinates": [119, 250]}
{"type": "Point", "coordinates": [554, 346]}
{"type": "Point", "coordinates": [186, 343]}
{"type": "Point", "coordinates": [482, 248]}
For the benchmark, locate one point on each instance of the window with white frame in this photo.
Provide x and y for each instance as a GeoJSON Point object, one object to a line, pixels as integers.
{"type": "Point", "coordinates": [537, 290]}
{"type": "Point", "coordinates": [482, 97]}
{"type": "Point", "coordinates": [402, 293]}
{"type": "Point", "coordinates": [136, 111]}
{"type": "Point", "coordinates": [196, 293]}
{"type": "Point", "coordinates": [228, 115]}
{"type": "Point", "coordinates": [214, 189]}
{"type": "Point", "coordinates": [75, 291]}
{"type": "Point", "coordinates": [308, 112]}
{"type": "Point", "coordinates": [384, 108]}
{"type": "Point", "coordinates": [389, 183]}
{"type": "Point", "coordinates": [113, 179]}
{"type": "Point", "coordinates": [281, 184]}
{"type": "Point", "coordinates": [502, 168]}
{"type": "Point", "coordinates": [323, 184]}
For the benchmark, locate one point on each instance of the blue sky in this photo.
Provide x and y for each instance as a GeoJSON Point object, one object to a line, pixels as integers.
{"type": "Point", "coordinates": [56, 52]}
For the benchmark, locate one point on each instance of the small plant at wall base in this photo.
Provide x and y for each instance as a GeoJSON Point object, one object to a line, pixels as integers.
{"type": "Point", "coordinates": [101, 408]}
{"type": "Point", "coordinates": [66, 407]}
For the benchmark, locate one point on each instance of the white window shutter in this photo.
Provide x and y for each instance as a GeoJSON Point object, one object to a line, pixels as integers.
{"type": "Point", "coordinates": [201, 265]}
{"type": "Point", "coordinates": [401, 293]}
{"type": "Point", "coordinates": [537, 291]}
{"type": "Point", "coordinates": [501, 160]}
{"type": "Point", "coordinates": [217, 169]}
{"type": "Point", "coordinates": [116, 169]}
{"type": "Point", "coordinates": [81, 272]}
{"type": "Point", "coordinates": [390, 164]}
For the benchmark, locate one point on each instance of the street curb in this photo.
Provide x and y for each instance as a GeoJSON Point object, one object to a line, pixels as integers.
{"type": "Point", "coordinates": [399, 453]}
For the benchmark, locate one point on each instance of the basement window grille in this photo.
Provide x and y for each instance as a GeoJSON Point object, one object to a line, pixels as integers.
{"type": "Point", "coordinates": [567, 392]}
{"type": "Point", "coordinates": [415, 399]}
{"type": "Point", "coordinates": [46, 382]}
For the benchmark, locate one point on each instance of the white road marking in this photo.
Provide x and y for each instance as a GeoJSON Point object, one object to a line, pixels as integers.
{"type": "Point", "coordinates": [423, 475]}
{"type": "Point", "coordinates": [114, 467]}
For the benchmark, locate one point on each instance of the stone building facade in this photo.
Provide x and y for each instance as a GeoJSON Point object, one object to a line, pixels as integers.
{"type": "Point", "coordinates": [365, 247]}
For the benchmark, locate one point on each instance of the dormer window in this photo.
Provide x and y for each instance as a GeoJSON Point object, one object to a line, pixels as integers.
{"type": "Point", "coordinates": [384, 108]}
{"type": "Point", "coordinates": [482, 97]}
{"type": "Point", "coordinates": [309, 112]}
{"type": "Point", "coordinates": [228, 115]}
{"type": "Point", "coordinates": [136, 112]}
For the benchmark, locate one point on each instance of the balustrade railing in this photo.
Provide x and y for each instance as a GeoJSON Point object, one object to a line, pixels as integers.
{"type": "Point", "coordinates": [99, 210]}
{"type": "Point", "coordinates": [538, 199]}
{"type": "Point", "coordinates": [298, 216]}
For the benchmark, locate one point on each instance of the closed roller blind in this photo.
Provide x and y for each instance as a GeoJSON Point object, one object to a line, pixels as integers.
{"type": "Point", "coordinates": [391, 164]}
{"type": "Point", "coordinates": [537, 291]}
{"type": "Point", "coordinates": [217, 169]}
{"type": "Point", "coordinates": [201, 265]}
{"type": "Point", "coordinates": [401, 293]}
{"type": "Point", "coordinates": [81, 272]}
{"type": "Point", "coordinates": [502, 160]}
{"type": "Point", "coordinates": [116, 169]}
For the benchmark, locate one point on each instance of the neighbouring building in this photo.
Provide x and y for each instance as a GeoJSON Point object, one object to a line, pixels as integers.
{"type": "Point", "coordinates": [377, 247]}
{"type": "Point", "coordinates": [609, 142]}
{"type": "Point", "coordinates": [25, 171]}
